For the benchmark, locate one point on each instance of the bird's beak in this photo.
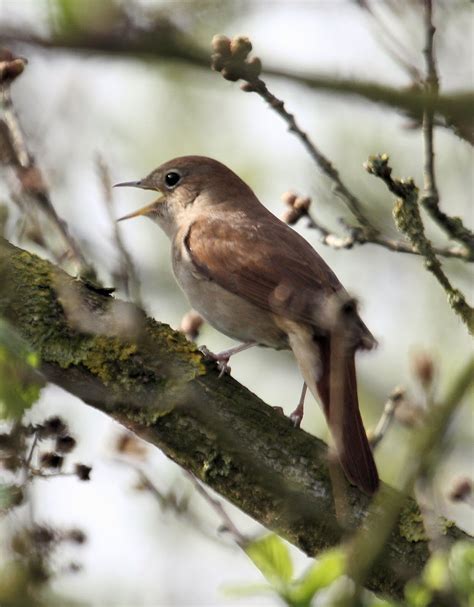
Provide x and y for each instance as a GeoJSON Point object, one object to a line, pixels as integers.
{"type": "Point", "coordinates": [149, 208]}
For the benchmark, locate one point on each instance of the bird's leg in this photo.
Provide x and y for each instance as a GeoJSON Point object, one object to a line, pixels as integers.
{"type": "Point", "coordinates": [298, 413]}
{"type": "Point", "coordinates": [222, 358]}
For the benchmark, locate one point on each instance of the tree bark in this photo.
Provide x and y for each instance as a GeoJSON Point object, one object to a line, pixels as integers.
{"type": "Point", "coordinates": [150, 379]}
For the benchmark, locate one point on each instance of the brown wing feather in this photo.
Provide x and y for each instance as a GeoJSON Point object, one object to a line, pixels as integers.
{"type": "Point", "coordinates": [266, 262]}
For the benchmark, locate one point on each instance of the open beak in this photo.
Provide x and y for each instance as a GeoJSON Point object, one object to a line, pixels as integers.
{"type": "Point", "coordinates": [149, 208]}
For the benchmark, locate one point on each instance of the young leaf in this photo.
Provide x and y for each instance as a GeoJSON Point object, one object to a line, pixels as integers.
{"type": "Point", "coordinates": [321, 574]}
{"type": "Point", "coordinates": [273, 559]}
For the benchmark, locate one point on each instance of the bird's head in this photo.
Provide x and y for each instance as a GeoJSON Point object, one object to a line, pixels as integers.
{"type": "Point", "coordinates": [188, 186]}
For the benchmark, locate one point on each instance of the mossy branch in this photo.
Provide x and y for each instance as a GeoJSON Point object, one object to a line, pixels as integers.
{"type": "Point", "coordinates": [150, 379]}
{"type": "Point", "coordinates": [406, 214]}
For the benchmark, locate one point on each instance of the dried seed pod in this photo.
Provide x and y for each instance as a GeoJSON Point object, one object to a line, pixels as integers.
{"type": "Point", "coordinates": [51, 460]}
{"type": "Point", "coordinates": [461, 489]}
{"type": "Point", "coordinates": [82, 472]}
{"type": "Point", "coordinates": [65, 444]}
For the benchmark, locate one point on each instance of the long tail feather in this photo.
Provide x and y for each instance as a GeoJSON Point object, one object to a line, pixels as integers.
{"type": "Point", "coordinates": [337, 390]}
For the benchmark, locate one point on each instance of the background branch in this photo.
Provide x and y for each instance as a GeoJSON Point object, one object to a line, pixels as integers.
{"type": "Point", "coordinates": [161, 40]}
{"type": "Point", "coordinates": [452, 226]}
{"type": "Point", "coordinates": [29, 174]}
{"type": "Point", "coordinates": [406, 214]}
{"type": "Point", "coordinates": [153, 381]}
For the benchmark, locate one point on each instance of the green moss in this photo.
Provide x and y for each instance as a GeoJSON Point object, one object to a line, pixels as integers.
{"type": "Point", "coordinates": [410, 523]}
{"type": "Point", "coordinates": [36, 297]}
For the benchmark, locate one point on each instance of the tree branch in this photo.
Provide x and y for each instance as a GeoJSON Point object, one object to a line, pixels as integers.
{"type": "Point", "coordinates": [357, 235]}
{"type": "Point", "coordinates": [452, 226]}
{"type": "Point", "coordinates": [29, 174]}
{"type": "Point", "coordinates": [162, 40]}
{"type": "Point", "coordinates": [406, 214]}
{"type": "Point", "coordinates": [150, 379]}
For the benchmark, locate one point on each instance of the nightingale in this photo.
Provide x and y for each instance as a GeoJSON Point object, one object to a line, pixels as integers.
{"type": "Point", "coordinates": [255, 279]}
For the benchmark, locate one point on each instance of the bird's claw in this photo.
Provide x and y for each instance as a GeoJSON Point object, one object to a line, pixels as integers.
{"type": "Point", "coordinates": [296, 418]}
{"type": "Point", "coordinates": [222, 362]}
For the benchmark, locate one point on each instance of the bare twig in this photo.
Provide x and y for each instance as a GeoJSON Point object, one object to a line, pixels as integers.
{"type": "Point", "coordinates": [228, 525]}
{"type": "Point", "coordinates": [27, 171]}
{"type": "Point", "coordinates": [373, 535]}
{"type": "Point", "coordinates": [357, 235]}
{"type": "Point", "coordinates": [453, 226]}
{"type": "Point", "coordinates": [126, 276]}
{"type": "Point", "coordinates": [407, 218]}
{"type": "Point", "coordinates": [391, 43]}
{"type": "Point", "coordinates": [387, 417]}
{"type": "Point", "coordinates": [161, 40]}
{"type": "Point", "coordinates": [230, 58]}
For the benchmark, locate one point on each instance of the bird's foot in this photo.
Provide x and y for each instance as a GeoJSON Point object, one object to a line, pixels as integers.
{"type": "Point", "coordinates": [298, 413]}
{"type": "Point", "coordinates": [221, 359]}
{"type": "Point", "coordinates": [296, 416]}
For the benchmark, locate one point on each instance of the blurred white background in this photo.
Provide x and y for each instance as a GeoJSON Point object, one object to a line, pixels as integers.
{"type": "Point", "coordinates": [137, 114]}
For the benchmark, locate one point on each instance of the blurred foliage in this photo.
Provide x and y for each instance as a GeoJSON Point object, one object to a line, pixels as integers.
{"type": "Point", "coordinates": [448, 579]}
{"type": "Point", "coordinates": [272, 557]}
{"type": "Point", "coordinates": [20, 385]}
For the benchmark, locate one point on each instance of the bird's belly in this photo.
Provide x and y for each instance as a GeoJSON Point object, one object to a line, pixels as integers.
{"type": "Point", "coordinates": [226, 312]}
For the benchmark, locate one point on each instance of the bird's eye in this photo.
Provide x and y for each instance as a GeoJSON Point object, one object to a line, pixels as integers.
{"type": "Point", "coordinates": [172, 179]}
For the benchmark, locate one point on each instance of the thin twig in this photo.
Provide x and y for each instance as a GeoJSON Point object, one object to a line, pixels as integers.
{"type": "Point", "coordinates": [406, 213]}
{"type": "Point", "coordinates": [230, 58]}
{"type": "Point", "coordinates": [373, 535]}
{"type": "Point", "coordinates": [239, 538]}
{"type": "Point", "coordinates": [393, 47]}
{"type": "Point", "coordinates": [127, 275]}
{"type": "Point", "coordinates": [30, 176]}
{"type": "Point", "coordinates": [351, 201]}
{"type": "Point", "coordinates": [387, 416]}
{"type": "Point", "coordinates": [357, 235]}
{"type": "Point", "coordinates": [452, 226]}
{"type": "Point", "coordinates": [155, 42]}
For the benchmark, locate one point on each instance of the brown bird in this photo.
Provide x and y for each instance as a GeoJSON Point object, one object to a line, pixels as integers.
{"type": "Point", "coordinates": [258, 281]}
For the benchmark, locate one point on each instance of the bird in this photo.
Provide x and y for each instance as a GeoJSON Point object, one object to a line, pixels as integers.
{"type": "Point", "coordinates": [256, 280]}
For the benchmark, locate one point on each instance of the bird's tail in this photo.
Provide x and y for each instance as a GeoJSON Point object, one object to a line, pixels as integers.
{"type": "Point", "coordinates": [337, 391]}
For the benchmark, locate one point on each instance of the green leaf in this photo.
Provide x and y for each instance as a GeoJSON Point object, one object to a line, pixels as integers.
{"type": "Point", "coordinates": [461, 569]}
{"type": "Point", "coordinates": [330, 566]}
{"type": "Point", "coordinates": [435, 574]}
{"type": "Point", "coordinates": [417, 594]}
{"type": "Point", "coordinates": [246, 590]}
{"type": "Point", "coordinates": [273, 559]}
{"type": "Point", "coordinates": [20, 385]}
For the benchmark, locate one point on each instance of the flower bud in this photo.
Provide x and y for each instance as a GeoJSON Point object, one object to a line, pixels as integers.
{"type": "Point", "coordinates": [289, 198]}
{"type": "Point", "coordinates": [302, 203]}
{"type": "Point", "coordinates": [254, 68]}
{"type": "Point", "coordinates": [221, 45]}
{"type": "Point", "coordinates": [240, 47]}
{"type": "Point", "coordinates": [230, 73]}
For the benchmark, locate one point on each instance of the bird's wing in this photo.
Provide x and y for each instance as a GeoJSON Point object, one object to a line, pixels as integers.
{"type": "Point", "coordinates": [263, 261]}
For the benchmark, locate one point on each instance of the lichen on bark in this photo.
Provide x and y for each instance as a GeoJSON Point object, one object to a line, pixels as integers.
{"type": "Point", "coordinates": [152, 380]}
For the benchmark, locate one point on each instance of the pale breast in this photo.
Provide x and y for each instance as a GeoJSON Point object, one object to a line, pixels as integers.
{"type": "Point", "coordinates": [228, 313]}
